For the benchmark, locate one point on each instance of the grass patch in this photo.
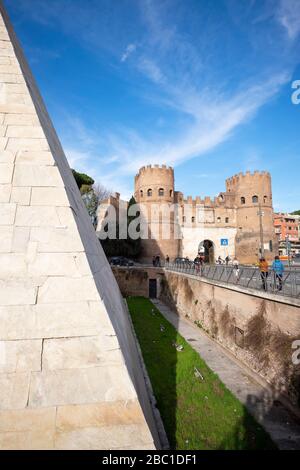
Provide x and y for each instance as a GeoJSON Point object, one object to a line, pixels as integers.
{"type": "Point", "coordinates": [196, 414]}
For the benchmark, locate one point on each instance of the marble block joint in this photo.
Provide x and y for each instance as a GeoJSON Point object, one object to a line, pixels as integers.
{"type": "Point", "coordinates": [70, 376]}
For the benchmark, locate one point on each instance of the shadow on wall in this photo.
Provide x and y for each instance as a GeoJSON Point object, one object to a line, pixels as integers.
{"type": "Point", "coordinates": [266, 409]}
{"type": "Point", "coordinates": [267, 347]}
{"type": "Point", "coordinates": [260, 344]}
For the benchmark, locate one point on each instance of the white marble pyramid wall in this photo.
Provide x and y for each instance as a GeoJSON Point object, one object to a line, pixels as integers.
{"type": "Point", "coordinates": [69, 373]}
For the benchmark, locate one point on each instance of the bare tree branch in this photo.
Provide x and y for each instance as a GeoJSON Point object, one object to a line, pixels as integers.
{"type": "Point", "coordinates": [101, 192]}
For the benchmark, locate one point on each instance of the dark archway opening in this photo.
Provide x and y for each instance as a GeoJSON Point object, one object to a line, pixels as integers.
{"type": "Point", "coordinates": [206, 249]}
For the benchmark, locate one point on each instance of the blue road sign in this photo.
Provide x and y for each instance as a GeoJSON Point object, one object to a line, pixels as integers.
{"type": "Point", "coordinates": [224, 241]}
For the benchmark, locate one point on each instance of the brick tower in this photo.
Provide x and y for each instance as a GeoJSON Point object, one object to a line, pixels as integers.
{"type": "Point", "coordinates": [252, 196]}
{"type": "Point", "coordinates": [154, 191]}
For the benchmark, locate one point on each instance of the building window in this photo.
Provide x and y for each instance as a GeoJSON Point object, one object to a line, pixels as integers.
{"type": "Point", "coordinates": [193, 219]}
{"type": "Point", "coordinates": [171, 193]}
{"type": "Point", "coordinates": [183, 219]}
{"type": "Point", "coordinates": [255, 199]}
{"type": "Point", "coordinates": [161, 192]}
{"type": "Point", "coordinates": [227, 220]}
{"type": "Point", "coordinates": [265, 199]}
{"type": "Point", "coordinates": [142, 193]}
{"type": "Point", "coordinates": [149, 193]}
{"type": "Point", "coordinates": [243, 200]}
{"type": "Point", "coordinates": [219, 220]}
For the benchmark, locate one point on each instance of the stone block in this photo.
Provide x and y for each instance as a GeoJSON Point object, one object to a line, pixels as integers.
{"type": "Point", "coordinates": [25, 420]}
{"type": "Point", "coordinates": [2, 131]}
{"type": "Point", "coordinates": [67, 216]}
{"type": "Point", "coordinates": [6, 235]}
{"type": "Point", "coordinates": [4, 36]}
{"type": "Point", "coordinates": [28, 216]}
{"type": "Point", "coordinates": [6, 172]}
{"type": "Point", "coordinates": [82, 264]}
{"type": "Point", "coordinates": [21, 195]}
{"type": "Point", "coordinates": [20, 119]}
{"type": "Point", "coordinates": [53, 264]}
{"type": "Point", "coordinates": [7, 214]}
{"type": "Point", "coordinates": [66, 289]}
{"type": "Point", "coordinates": [36, 439]}
{"type": "Point", "coordinates": [27, 144]}
{"type": "Point", "coordinates": [56, 240]}
{"type": "Point", "coordinates": [17, 89]}
{"type": "Point", "coordinates": [12, 265]}
{"type": "Point", "coordinates": [57, 320]}
{"type": "Point", "coordinates": [16, 293]}
{"type": "Point", "coordinates": [3, 142]}
{"type": "Point", "coordinates": [14, 389]}
{"type": "Point", "coordinates": [20, 239]}
{"type": "Point", "coordinates": [6, 45]}
{"type": "Point", "coordinates": [78, 386]}
{"type": "Point", "coordinates": [70, 418]}
{"type": "Point", "coordinates": [34, 175]}
{"type": "Point", "coordinates": [40, 158]}
{"type": "Point", "coordinates": [20, 356]}
{"type": "Point", "coordinates": [5, 190]}
{"type": "Point", "coordinates": [7, 157]}
{"type": "Point", "coordinates": [49, 196]}
{"type": "Point", "coordinates": [5, 60]}
{"type": "Point", "coordinates": [6, 53]}
{"type": "Point", "coordinates": [72, 353]}
{"type": "Point", "coordinates": [105, 438]}
{"type": "Point", "coordinates": [25, 132]}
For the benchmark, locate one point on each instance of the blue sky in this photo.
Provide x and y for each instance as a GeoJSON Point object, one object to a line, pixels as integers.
{"type": "Point", "coordinates": [203, 85]}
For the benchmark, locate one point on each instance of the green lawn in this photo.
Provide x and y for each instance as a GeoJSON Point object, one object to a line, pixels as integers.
{"type": "Point", "coordinates": [196, 414]}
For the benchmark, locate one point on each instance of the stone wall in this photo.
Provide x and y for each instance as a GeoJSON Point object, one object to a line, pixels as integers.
{"type": "Point", "coordinates": [258, 329]}
{"type": "Point", "coordinates": [70, 376]}
{"type": "Point", "coordinates": [193, 236]}
{"type": "Point", "coordinates": [135, 281]}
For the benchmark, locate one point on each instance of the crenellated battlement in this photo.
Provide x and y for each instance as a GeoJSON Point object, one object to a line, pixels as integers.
{"type": "Point", "coordinates": [248, 174]}
{"type": "Point", "coordinates": [207, 201]}
{"type": "Point", "coordinates": [163, 169]}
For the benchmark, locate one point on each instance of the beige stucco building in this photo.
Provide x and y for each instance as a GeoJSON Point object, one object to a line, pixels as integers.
{"type": "Point", "coordinates": [238, 222]}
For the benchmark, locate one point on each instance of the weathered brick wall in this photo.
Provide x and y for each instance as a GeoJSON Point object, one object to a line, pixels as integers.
{"type": "Point", "coordinates": [135, 281]}
{"type": "Point", "coordinates": [258, 330]}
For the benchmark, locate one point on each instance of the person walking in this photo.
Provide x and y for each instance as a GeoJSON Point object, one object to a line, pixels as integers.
{"type": "Point", "coordinates": [278, 268]}
{"type": "Point", "coordinates": [264, 272]}
{"type": "Point", "coordinates": [154, 260]}
{"type": "Point", "coordinates": [167, 260]}
{"type": "Point", "coordinates": [227, 259]}
{"type": "Point", "coordinates": [197, 263]}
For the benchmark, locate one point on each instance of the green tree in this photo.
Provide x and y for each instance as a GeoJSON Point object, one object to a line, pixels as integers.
{"type": "Point", "coordinates": [129, 248]}
{"type": "Point", "coordinates": [296, 213]}
{"type": "Point", "coordinates": [82, 179]}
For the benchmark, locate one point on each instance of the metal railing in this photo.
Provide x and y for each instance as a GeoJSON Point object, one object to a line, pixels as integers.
{"type": "Point", "coordinates": [245, 276]}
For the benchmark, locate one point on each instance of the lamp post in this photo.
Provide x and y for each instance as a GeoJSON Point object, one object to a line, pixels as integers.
{"type": "Point", "coordinates": [261, 213]}
{"type": "Point", "coordinates": [288, 249]}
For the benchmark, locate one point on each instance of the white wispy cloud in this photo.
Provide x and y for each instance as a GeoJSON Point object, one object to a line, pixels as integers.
{"type": "Point", "coordinates": [151, 70]}
{"type": "Point", "coordinates": [128, 51]}
{"type": "Point", "coordinates": [289, 17]}
{"type": "Point", "coordinates": [184, 76]}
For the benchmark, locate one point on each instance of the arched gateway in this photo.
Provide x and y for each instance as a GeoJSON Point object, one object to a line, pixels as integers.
{"type": "Point", "coordinates": [206, 249]}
